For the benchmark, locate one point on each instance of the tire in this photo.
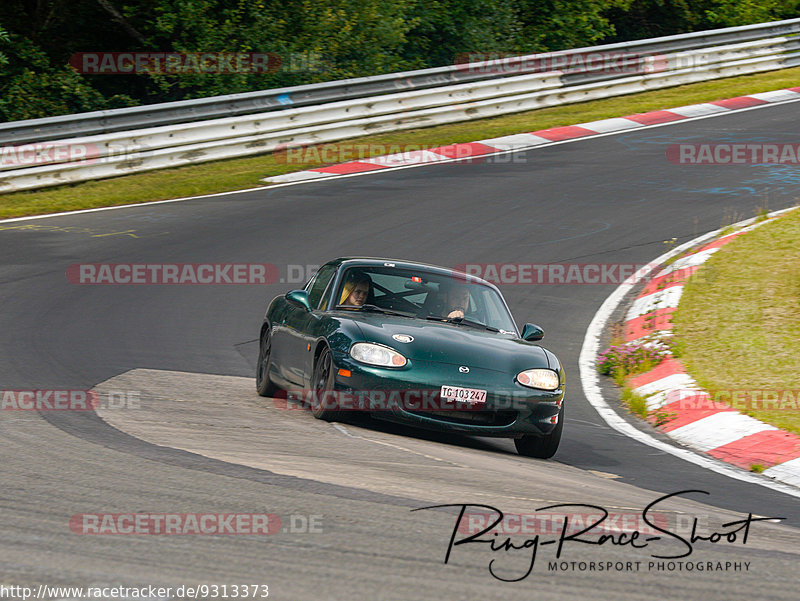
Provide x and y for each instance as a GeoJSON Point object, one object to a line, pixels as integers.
{"type": "Point", "coordinates": [322, 388]}
{"type": "Point", "coordinates": [541, 447]}
{"type": "Point", "coordinates": [264, 385]}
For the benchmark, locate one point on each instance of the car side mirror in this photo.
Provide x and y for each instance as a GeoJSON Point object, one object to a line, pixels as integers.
{"type": "Point", "coordinates": [532, 332]}
{"type": "Point", "coordinates": [299, 299]}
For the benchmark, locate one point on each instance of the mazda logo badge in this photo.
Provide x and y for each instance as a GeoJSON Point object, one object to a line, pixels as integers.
{"type": "Point", "coordinates": [464, 369]}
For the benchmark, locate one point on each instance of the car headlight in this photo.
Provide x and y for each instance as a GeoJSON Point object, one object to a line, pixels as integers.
{"type": "Point", "coordinates": [545, 379]}
{"type": "Point", "coordinates": [375, 354]}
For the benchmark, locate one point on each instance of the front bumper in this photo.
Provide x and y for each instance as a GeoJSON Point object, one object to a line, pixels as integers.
{"type": "Point", "coordinates": [410, 395]}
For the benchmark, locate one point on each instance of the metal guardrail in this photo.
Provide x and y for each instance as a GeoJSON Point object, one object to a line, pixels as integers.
{"type": "Point", "coordinates": [433, 96]}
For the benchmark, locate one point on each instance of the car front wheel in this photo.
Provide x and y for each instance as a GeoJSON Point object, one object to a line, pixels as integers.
{"type": "Point", "coordinates": [541, 447]}
{"type": "Point", "coordinates": [263, 384]}
{"type": "Point", "coordinates": [323, 398]}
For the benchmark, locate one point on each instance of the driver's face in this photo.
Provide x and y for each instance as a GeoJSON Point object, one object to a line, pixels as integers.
{"type": "Point", "coordinates": [458, 299]}
{"type": "Point", "coordinates": [359, 294]}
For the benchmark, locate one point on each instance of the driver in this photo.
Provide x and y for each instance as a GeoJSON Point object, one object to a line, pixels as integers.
{"type": "Point", "coordinates": [455, 299]}
{"type": "Point", "coordinates": [356, 289]}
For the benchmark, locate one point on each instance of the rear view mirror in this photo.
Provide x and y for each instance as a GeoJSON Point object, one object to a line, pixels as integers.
{"type": "Point", "coordinates": [299, 298]}
{"type": "Point", "coordinates": [532, 332]}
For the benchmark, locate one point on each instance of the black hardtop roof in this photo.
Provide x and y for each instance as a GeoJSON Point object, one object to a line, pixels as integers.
{"type": "Point", "coordinates": [402, 264]}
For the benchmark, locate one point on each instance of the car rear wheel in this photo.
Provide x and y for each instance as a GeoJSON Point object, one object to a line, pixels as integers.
{"type": "Point", "coordinates": [323, 397]}
{"type": "Point", "coordinates": [263, 384]}
{"type": "Point", "coordinates": [541, 447]}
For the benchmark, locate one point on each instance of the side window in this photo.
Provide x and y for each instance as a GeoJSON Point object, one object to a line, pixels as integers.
{"type": "Point", "coordinates": [325, 296]}
{"type": "Point", "coordinates": [320, 283]}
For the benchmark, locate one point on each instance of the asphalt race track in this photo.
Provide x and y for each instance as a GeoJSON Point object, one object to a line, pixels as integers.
{"type": "Point", "coordinates": [202, 441]}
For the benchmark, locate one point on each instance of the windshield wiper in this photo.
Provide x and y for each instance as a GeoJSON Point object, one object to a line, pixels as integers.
{"type": "Point", "coordinates": [377, 309]}
{"type": "Point", "coordinates": [463, 321]}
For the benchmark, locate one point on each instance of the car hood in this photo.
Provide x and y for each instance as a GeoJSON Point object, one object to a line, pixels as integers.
{"type": "Point", "coordinates": [451, 343]}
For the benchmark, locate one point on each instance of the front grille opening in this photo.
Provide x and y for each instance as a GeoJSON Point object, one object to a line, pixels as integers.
{"type": "Point", "coordinates": [482, 418]}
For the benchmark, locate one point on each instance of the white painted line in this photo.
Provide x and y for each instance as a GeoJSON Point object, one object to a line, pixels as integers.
{"type": "Point", "coordinates": [789, 471]}
{"type": "Point", "coordinates": [731, 235]}
{"type": "Point", "coordinates": [699, 398]}
{"type": "Point", "coordinates": [148, 203]}
{"type": "Point", "coordinates": [692, 260]}
{"type": "Point", "coordinates": [663, 299]}
{"type": "Point", "coordinates": [661, 389]}
{"type": "Point", "coordinates": [413, 157]}
{"type": "Point", "coordinates": [646, 340]}
{"type": "Point", "coordinates": [753, 226]}
{"type": "Point", "coordinates": [344, 431]}
{"type": "Point", "coordinates": [608, 125]}
{"type": "Point", "coordinates": [515, 141]}
{"type": "Point", "coordinates": [776, 95]}
{"type": "Point", "coordinates": [718, 429]}
{"type": "Point", "coordinates": [590, 380]}
{"type": "Point", "coordinates": [677, 381]}
{"type": "Point", "coordinates": [297, 176]}
{"type": "Point", "coordinates": [699, 110]}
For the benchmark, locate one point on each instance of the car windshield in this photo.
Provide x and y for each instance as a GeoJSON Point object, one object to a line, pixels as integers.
{"type": "Point", "coordinates": [417, 293]}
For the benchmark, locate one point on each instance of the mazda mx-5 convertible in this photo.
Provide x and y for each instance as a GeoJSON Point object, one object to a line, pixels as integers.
{"type": "Point", "coordinates": [412, 343]}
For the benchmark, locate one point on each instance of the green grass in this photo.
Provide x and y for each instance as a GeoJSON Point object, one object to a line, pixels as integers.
{"type": "Point", "coordinates": [237, 174]}
{"type": "Point", "coordinates": [661, 418]}
{"type": "Point", "coordinates": [636, 403]}
{"type": "Point", "coordinates": [740, 330]}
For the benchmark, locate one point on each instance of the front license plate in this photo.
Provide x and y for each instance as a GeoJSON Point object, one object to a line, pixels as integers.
{"type": "Point", "coordinates": [472, 396]}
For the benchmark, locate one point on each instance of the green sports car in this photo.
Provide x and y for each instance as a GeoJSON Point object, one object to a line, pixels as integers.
{"type": "Point", "coordinates": [413, 343]}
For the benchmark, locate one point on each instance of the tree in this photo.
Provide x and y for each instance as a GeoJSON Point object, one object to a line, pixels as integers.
{"type": "Point", "coordinates": [30, 87]}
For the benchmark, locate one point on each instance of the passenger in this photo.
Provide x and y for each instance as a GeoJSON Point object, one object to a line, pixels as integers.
{"type": "Point", "coordinates": [356, 289]}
